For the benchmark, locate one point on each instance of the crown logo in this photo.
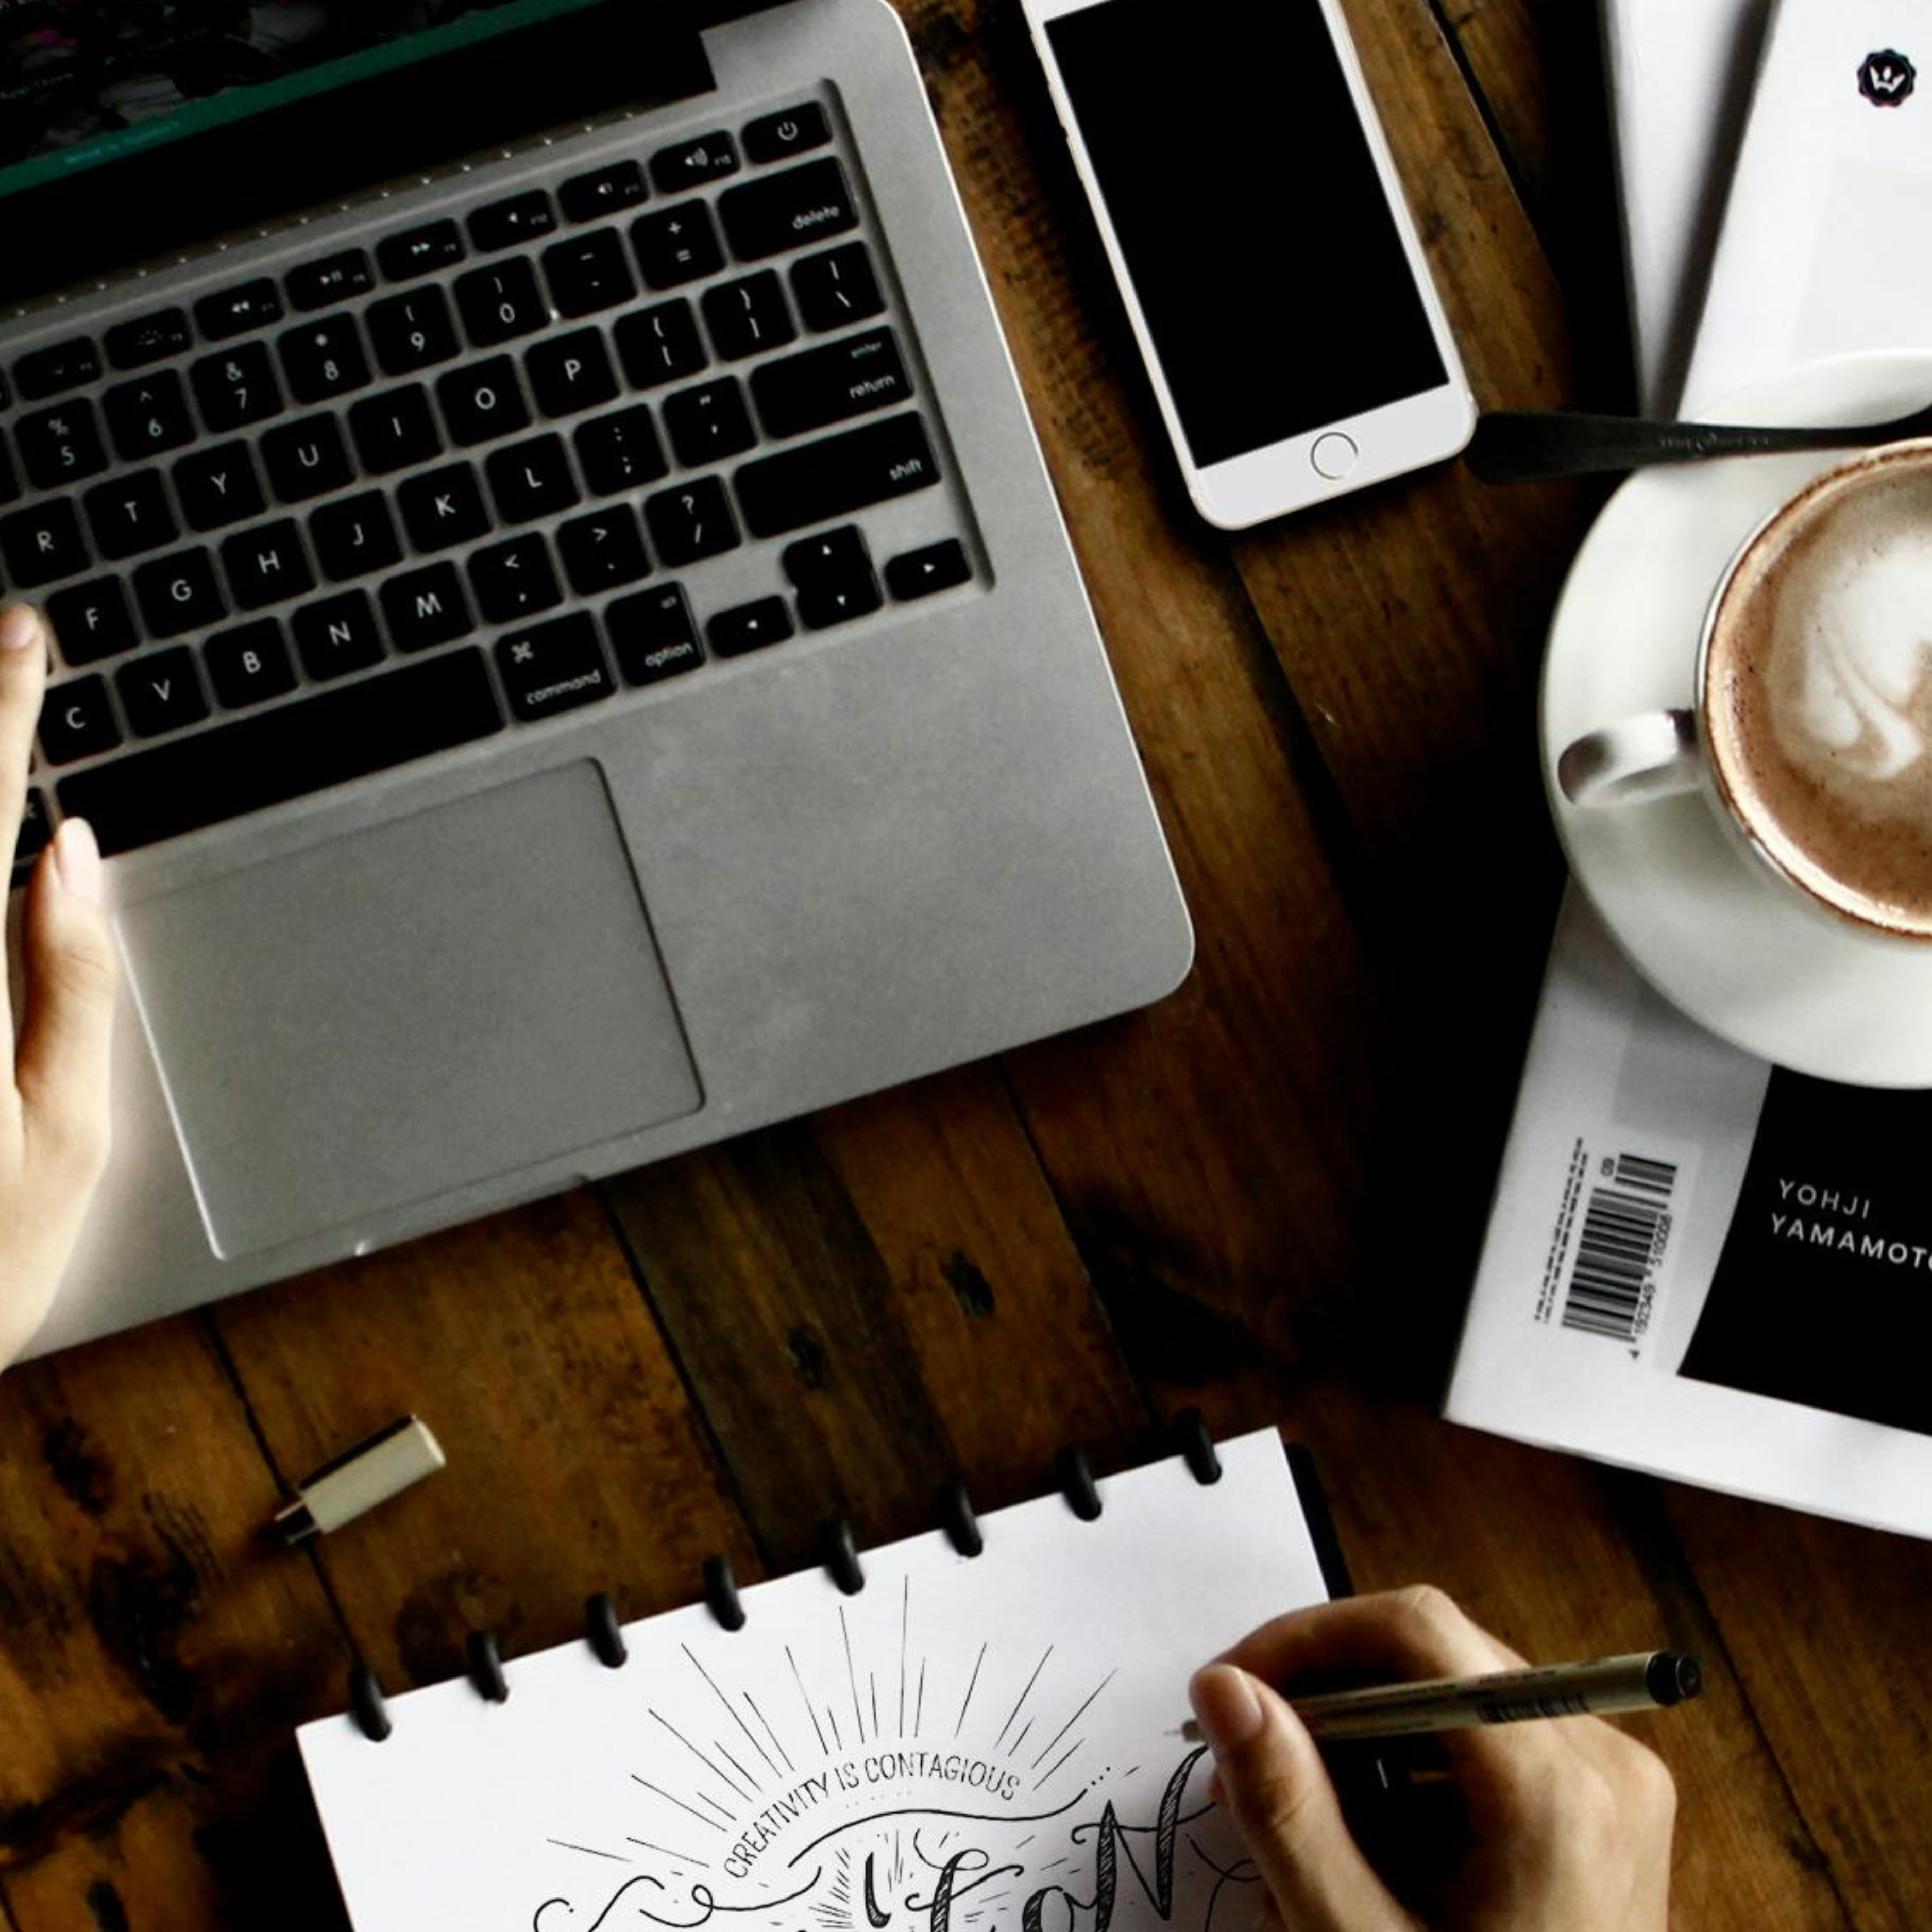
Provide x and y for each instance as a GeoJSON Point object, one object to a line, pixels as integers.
{"type": "Point", "coordinates": [1886, 78]}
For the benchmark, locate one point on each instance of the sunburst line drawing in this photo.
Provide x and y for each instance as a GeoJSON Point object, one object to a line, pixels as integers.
{"type": "Point", "coordinates": [724, 1777]}
{"type": "Point", "coordinates": [589, 1851]}
{"type": "Point", "coordinates": [970, 1687]}
{"type": "Point", "coordinates": [1075, 1718]}
{"type": "Point", "coordinates": [1022, 1697]}
{"type": "Point", "coordinates": [731, 1712]}
{"type": "Point", "coordinates": [683, 1858]}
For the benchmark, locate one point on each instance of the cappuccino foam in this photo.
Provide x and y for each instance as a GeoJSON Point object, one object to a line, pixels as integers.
{"type": "Point", "coordinates": [1818, 692]}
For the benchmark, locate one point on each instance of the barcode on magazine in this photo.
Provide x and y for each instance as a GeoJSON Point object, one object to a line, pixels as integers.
{"type": "Point", "coordinates": [1626, 1227]}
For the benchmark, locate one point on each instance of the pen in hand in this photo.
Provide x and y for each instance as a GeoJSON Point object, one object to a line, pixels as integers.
{"type": "Point", "coordinates": [1644, 1681]}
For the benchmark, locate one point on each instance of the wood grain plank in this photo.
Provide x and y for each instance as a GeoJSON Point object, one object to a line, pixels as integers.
{"type": "Point", "coordinates": [870, 1302]}
{"type": "Point", "coordinates": [156, 1650]}
{"type": "Point", "coordinates": [575, 1462]}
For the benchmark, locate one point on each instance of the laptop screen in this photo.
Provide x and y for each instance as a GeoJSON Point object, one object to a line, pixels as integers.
{"type": "Point", "coordinates": [128, 126]}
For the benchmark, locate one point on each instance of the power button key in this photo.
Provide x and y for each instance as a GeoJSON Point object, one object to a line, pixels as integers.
{"type": "Point", "coordinates": [776, 137]}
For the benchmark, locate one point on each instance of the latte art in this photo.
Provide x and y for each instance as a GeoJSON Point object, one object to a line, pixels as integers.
{"type": "Point", "coordinates": [1819, 687]}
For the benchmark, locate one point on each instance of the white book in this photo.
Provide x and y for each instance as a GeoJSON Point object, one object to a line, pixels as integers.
{"type": "Point", "coordinates": [1680, 74]}
{"type": "Point", "coordinates": [1826, 242]}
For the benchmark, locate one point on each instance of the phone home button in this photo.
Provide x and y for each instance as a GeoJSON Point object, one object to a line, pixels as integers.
{"type": "Point", "coordinates": [1334, 455]}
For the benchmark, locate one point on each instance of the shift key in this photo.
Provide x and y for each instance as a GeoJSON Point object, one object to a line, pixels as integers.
{"type": "Point", "coordinates": [825, 481]}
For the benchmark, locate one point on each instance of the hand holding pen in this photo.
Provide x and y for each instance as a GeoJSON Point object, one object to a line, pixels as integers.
{"type": "Point", "coordinates": [1567, 1825]}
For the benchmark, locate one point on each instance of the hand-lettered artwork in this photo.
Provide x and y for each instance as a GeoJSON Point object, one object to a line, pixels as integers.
{"type": "Point", "coordinates": [966, 1744]}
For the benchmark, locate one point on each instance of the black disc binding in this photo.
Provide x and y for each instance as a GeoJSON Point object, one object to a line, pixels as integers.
{"type": "Point", "coordinates": [721, 1592]}
{"type": "Point", "coordinates": [1191, 1436]}
{"type": "Point", "coordinates": [1076, 1483]}
{"type": "Point", "coordinates": [366, 1704]}
{"type": "Point", "coordinates": [956, 1517]}
{"type": "Point", "coordinates": [486, 1666]}
{"type": "Point", "coordinates": [602, 1630]}
{"type": "Point", "coordinates": [842, 1557]}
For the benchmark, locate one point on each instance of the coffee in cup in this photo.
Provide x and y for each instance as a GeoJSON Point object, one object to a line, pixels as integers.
{"type": "Point", "coordinates": [1813, 728]}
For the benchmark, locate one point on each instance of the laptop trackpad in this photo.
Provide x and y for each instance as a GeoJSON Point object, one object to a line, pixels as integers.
{"type": "Point", "coordinates": [404, 1012]}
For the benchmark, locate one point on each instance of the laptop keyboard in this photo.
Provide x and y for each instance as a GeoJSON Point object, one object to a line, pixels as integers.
{"type": "Point", "coordinates": [402, 497]}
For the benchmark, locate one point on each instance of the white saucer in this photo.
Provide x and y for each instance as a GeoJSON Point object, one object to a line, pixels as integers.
{"type": "Point", "coordinates": [1716, 934]}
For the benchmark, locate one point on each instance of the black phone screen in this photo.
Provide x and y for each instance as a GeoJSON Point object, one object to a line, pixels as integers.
{"type": "Point", "coordinates": [1239, 180]}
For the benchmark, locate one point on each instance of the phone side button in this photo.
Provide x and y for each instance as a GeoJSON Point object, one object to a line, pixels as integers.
{"type": "Point", "coordinates": [1334, 455]}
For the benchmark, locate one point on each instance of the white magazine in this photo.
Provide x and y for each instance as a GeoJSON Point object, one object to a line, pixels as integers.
{"type": "Point", "coordinates": [1696, 1264]}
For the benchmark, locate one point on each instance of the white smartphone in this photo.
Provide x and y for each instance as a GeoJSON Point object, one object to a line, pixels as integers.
{"type": "Point", "coordinates": [1244, 191]}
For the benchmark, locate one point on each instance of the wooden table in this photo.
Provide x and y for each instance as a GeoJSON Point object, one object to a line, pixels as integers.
{"type": "Point", "coordinates": [1263, 1197]}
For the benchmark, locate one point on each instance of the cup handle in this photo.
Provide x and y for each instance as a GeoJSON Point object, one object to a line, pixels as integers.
{"type": "Point", "coordinates": [1654, 755]}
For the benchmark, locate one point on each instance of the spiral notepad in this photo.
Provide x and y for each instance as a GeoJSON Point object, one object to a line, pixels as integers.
{"type": "Point", "coordinates": [973, 1730]}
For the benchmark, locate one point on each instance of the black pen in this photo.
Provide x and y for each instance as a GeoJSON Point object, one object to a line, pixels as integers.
{"type": "Point", "coordinates": [1645, 1680]}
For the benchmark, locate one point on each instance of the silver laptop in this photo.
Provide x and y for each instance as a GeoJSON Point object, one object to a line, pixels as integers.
{"type": "Point", "coordinates": [563, 631]}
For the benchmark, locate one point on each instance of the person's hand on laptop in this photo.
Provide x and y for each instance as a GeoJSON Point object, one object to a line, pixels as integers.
{"type": "Point", "coordinates": [53, 1111]}
{"type": "Point", "coordinates": [1553, 1827]}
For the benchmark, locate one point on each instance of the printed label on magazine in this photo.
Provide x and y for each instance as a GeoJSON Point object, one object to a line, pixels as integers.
{"type": "Point", "coordinates": [1606, 1267]}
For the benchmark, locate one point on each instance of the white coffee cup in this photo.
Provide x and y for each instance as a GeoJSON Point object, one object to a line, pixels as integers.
{"type": "Point", "coordinates": [1811, 737]}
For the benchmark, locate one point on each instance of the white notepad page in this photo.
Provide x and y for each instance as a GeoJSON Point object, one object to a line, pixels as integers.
{"type": "Point", "coordinates": [962, 1736]}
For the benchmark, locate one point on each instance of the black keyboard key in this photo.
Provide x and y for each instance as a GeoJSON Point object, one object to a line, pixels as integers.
{"type": "Point", "coordinates": [218, 486]}
{"type": "Point", "coordinates": [792, 131]}
{"type": "Point", "coordinates": [691, 164]}
{"type": "Point", "coordinates": [395, 430]}
{"type": "Point", "coordinates": [572, 372]}
{"type": "Point", "coordinates": [76, 721]}
{"type": "Point", "coordinates": [522, 217]}
{"type": "Point", "coordinates": [923, 572]}
{"type": "Point", "coordinates": [161, 692]}
{"type": "Point", "coordinates": [64, 366]}
{"type": "Point", "coordinates": [334, 279]}
{"type": "Point", "coordinates": [92, 621]}
{"type": "Point", "coordinates": [676, 245]}
{"type": "Point", "coordinates": [691, 522]}
{"type": "Point", "coordinates": [825, 480]}
{"type": "Point", "coordinates": [419, 251]}
{"type": "Point", "coordinates": [306, 459]}
{"type": "Point", "coordinates": [604, 191]}
{"type": "Point", "coordinates": [653, 635]}
{"type": "Point", "coordinates": [830, 557]}
{"type": "Point", "coordinates": [148, 417]}
{"type": "Point", "coordinates": [552, 667]}
{"type": "Point", "coordinates": [709, 423]}
{"type": "Point", "coordinates": [179, 593]}
{"type": "Point", "coordinates": [620, 451]}
{"type": "Point", "coordinates": [42, 544]}
{"type": "Point", "coordinates": [412, 331]}
{"type": "Point", "coordinates": [249, 664]}
{"type": "Point", "coordinates": [424, 607]}
{"type": "Point", "coordinates": [531, 480]}
{"type": "Point", "coordinates": [604, 550]}
{"type": "Point", "coordinates": [749, 627]}
{"type": "Point", "coordinates": [822, 605]}
{"type": "Point", "coordinates": [287, 752]}
{"type": "Point", "coordinates": [324, 359]}
{"type": "Point", "coordinates": [10, 480]}
{"type": "Point", "coordinates": [791, 209]}
{"type": "Point", "coordinates": [266, 565]}
{"type": "Point", "coordinates": [59, 446]}
{"type": "Point", "coordinates": [443, 507]}
{"type": "Point", "coordinates": [497, 303]}
{"type": "Point", "coordinates": [338, 636]}
{"type": "Point", "coordinates": [482, 401]}
{"type": "Point", "coordinates": [661, 345]}
{"type": "Point", "coordinates": [130, 514]}
{"type": "Point", "coordinates": [149, 338]}
{"type": "Point", "coordinates": [513, 579]}
{"type": "Point", "coordinates": [836, 288]}
{"type": "Point", "coordinates": [822, 386]}
{"type": "Point", "coordinates": [355, 536]}
{"type": "Point", "coordinates": [747, 317]}
{"type": "Point", "coordinates": [236, 389]}
{"type": "Point", "coordinates": [35, 834]}
{"type": "Point", "coordinates": [238, 310]}
{"type": "Point", "coordinates": [588, 273]}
